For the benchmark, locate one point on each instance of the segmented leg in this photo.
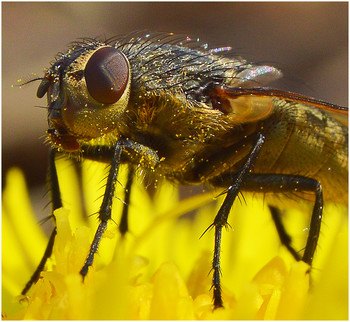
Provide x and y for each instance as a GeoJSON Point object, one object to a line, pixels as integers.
{"type": "Point", "coordinates": [285, 239]}
{"type": "Point", "coordinates": [56, 203]}
{"type": "Point", "coordinates": [276, 183]}
{"type": "Point", "coordinates": [150, 158]}
{"type": "Point", "coordinates": [79, 169]}
{"type": "Point", "coordinates": [315, 225]}
{"type": "Point", "coordinates": [279, 183]}
{"type": "Point", "coordinates": [106, 207]}
{"type": "Point", "coordinates": [124, 225]}
{"type": "Point", "coordinates": [221, 218]}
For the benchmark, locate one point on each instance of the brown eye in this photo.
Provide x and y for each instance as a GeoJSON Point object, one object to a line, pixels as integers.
{"type": "Point", "coordinates": [106, 75]}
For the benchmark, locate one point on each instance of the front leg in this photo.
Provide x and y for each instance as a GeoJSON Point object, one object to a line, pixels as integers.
{"type": "Point", "coordinates": [106, 207]}
{"type": "Point", "coordinates": [124, 223]}
{"type": "Point", "coordinates": [56, 203]}
{"type": "Point", "coordinates": [138, 153]}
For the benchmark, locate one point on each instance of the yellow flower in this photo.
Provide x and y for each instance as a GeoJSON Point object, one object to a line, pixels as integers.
{"type": "Point", "coordinates": [161, 269]}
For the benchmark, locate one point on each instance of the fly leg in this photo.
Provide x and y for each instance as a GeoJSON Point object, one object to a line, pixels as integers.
{"type": "Point", "coordinates": [138, 153]}
{"type": "Point", "coordinates": [124, 225]}
{"type": "Point", "coordinates": [106, 207]}
{"type": "Point", "coordinates": [56, 203]}
{"type": "Point", "coordinates": [292, 183]}
{"type": "Point", "coordinates": [78, 167]}
{"type": "Point", "coordinates": [48, 252]}
{"type": "Point", "coordinates": [221, 218]}
{"type": "Point", "coordinates": [285, 239]}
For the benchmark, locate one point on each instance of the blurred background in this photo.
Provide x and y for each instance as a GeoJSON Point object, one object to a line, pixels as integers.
{"type": "Point", "coordinates": [309, 41]}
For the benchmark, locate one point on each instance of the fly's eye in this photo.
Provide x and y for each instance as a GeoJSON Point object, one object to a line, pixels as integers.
{"type": "Point", "coordinates": [106, 75]}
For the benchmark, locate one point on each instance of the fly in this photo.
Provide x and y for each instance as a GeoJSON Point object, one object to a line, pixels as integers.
{"type": "Point", "coordinates": [192, 115]}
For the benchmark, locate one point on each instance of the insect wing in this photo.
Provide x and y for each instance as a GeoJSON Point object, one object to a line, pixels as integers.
{"type": "Point", "coordinates": [237, 92]}
{"type": "Point", "coordinates": [240, 109]}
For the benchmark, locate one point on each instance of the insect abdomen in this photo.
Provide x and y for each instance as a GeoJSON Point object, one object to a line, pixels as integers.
{"type": "Point", "coordinates": [302, 140]}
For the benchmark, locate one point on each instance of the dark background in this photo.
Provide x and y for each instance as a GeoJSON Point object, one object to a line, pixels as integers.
{"type": "Point", "coordinates": [309, 41]}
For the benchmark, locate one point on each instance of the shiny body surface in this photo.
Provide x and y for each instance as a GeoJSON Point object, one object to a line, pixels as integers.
{"type": "Point", "coordinates": [172, 108]}
{"type": "Point", "coordinates": [192, 138]}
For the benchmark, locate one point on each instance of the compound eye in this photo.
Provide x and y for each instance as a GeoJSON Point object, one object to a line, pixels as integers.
{"type": "Point", "coordinates": [106, 75]}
